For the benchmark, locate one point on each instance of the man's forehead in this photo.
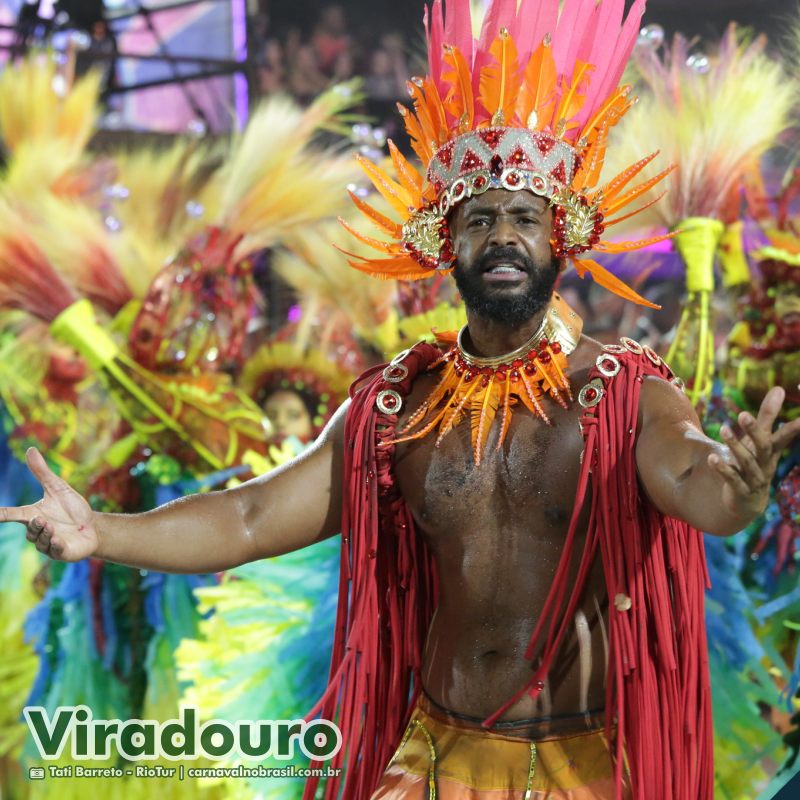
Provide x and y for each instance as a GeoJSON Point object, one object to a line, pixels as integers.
{"type": "Point", "coordinates": [503, 199]}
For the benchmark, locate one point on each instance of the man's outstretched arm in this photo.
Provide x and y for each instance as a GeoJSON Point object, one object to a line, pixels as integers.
{"type": "Point", "coordinates": [718, 488]}
{"type": "Point", "coordinates": [287, 509]}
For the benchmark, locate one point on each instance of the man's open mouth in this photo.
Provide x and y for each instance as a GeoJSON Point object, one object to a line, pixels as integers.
{"type": "Point", "coordinates": [505, 269]}
{"type": "Point", "coordinates": [499, 269]}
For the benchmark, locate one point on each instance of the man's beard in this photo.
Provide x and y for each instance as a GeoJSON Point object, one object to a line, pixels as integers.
{"type": "Point", "coordinates": [513, 310]}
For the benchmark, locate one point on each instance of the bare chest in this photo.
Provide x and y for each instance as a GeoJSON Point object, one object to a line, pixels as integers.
{"type": "Point", "coordinates": [526, 487]}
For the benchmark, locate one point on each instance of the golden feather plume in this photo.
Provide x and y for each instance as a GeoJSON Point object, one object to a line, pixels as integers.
{"type": "Point", "coordinates": [36, 104]}
{"type": "Point", "coordinates": [156, 217]}
{"type": "Point", "coordinates": [713, 125]}
{"type": "Point", "coordinates": [45, 126]}
{"type": "Point", "coordinates": [276, 180]}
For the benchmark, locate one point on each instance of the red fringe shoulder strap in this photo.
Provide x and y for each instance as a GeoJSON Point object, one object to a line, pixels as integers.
{"type": "Point", "coordinates": [658, 690]}
{"type": "Point", "coordinates": [387, 590]}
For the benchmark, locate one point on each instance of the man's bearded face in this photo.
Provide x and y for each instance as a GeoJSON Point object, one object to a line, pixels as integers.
{"type": "Point", "coordinates": [504, 267]}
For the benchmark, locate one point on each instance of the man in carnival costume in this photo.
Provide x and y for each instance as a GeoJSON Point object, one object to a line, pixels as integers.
{"type": "Point", "coordinates": [521, 602]}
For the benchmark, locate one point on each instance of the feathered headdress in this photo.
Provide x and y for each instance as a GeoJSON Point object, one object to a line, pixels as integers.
{"type": "Point", "coordinates": [198, 306]}
{"type": "Point", "coordinates": [284, 365]}
{"type": "Point", "coordinates": [528, 105]}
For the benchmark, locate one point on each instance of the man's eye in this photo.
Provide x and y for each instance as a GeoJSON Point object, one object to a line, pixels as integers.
{"type": "Point", "coordinates": [478, 222]}
{"type": "Point", "coordinates": [528, 220]}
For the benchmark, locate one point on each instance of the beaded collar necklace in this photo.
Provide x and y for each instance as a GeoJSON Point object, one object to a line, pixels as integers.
{"type": "Point", "coordinates": [483, 387]}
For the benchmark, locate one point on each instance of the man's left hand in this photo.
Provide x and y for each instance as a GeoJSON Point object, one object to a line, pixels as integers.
{"type": "Point", "coordinates": [750, 462]}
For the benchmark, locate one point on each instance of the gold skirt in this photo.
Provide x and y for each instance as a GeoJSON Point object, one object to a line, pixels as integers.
{"type": "Point", "coordinates": [442, 757]}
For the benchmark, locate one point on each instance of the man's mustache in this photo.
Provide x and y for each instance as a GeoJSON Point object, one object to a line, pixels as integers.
{"type": "Point", "coordinates": [504, 255]}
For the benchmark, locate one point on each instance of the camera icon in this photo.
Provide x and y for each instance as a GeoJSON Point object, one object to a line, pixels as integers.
{"type": "Point", "coordinates": [36, 773]}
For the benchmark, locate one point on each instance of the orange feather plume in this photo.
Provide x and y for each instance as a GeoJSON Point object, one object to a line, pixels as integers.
{"type": "Point", "coordinates": [394, 194]}
{"type": "Point", "coordinates": [539, 88]}
{"type": "Point", "coordinates": [484, 410]}
{"type": "Point", "coordinates": [500, 81]}
{"type": "Point", "coordinates": [459, 102]}
{"type": "Point", "coordinates": [409, 177]}
{"type": "Point", "coordinates": [378, 219]}
{"type": "Point", "coordinates": [573, 99]}
{"type": "Point", "coordinates": [611, 282]}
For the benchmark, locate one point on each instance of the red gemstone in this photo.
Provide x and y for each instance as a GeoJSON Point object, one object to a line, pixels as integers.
{"type": "Point", "coordinates": [514, 375]}
{"type": "Point", "coordinates": [471, 162]}
{"type": "Point", "coordinates": [555, 347]}
{"type": "Point", "coordinates": [530, 369]}
{"type": "Point", "coordinates": [538, 184]}
{"type": "Point", "coordinates": [468, 377]}
{"type": "Point", "coordinates": [487, 370]}
{"type": "Point", "coordinates": [591, 394]}
{"type": "Point", "coordinates": [559, 174]}
{"type": "Point", "coordinates": [446, 154]}
{"type": "Point", "coordinates": [520, 158]}
{"type": "Point", "coordinates": [492, 136]}
{"type": "Point", "coordinates": [496, 166]}
{"type": "Point", "coordinates": [513, 179]}
{"type": "Point", "coordinates": [545, 358]}
{"type": "Point", "coordinates": [518, 362]}
{"type": "Point", "coordinates": [501, 376]}
{"type": "Point", "coordinates": [389, 401]}
{"type": "Point", "coordinates": [485, 380]}
{"type": "Point", "coordinates": [479, 182]}
{"type": "Point", "coordinates": [545, 144]}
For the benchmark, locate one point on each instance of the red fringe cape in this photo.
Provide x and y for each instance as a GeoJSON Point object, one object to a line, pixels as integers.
{"type": "Point", "coordinates": [658, 691]}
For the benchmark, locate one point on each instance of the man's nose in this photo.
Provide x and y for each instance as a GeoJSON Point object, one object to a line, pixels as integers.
{"type": "Point", "coordinates": [502, 233]}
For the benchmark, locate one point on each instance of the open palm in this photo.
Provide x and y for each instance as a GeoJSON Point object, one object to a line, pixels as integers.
{"type": "Point", "coordinates": [61, 524]}
{"type": "Point", "coordinates": [753, 458]}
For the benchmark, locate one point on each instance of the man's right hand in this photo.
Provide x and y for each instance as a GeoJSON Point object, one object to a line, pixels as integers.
{"type": "Point", "coordinates": [61, 524]}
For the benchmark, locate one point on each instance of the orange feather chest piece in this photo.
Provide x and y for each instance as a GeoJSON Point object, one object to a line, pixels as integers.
{"type": "Point", "coordinates": [482, 388]}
